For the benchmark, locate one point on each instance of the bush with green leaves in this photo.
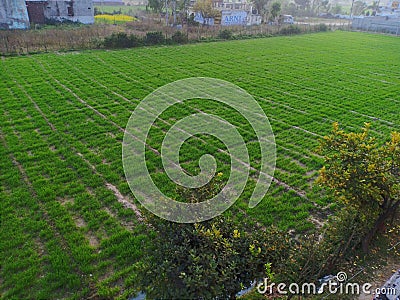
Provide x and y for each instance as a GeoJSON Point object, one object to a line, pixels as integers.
{"type": "Point", "coordinates": [179, 37]}
{"type": "Point", "coordinates": [291, 29]}
{"type": "Point", "coordinates": [121, 40]}
{"type": "Point", "coordinates": [225, 34]}
{"type": "Point", "coordinates": [321, 27]}
{"type": "Point", "coordinates": [326, 251]}
{"type": "Point", "coordinates": [363, 174]}
{"type": "Point", "coordinates": [208, 260]}
{"type": "Point", "coordinates": [212, 259]}
{"type": "Point", "coordinates": [154, 38]}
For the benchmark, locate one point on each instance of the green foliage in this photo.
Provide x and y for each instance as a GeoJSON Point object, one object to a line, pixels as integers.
{"type": "Point", "coordinates": [179, 37]}
{"type": "Point", "coordinates": [289, 30]}
{"type": "Point", "coordinates": [321, 27]}
{"type": "Point", "coordinates": [275, 10]}
{"type": "Point", "coordinates": [76, 237]}
{"type": "Point", "coordinates": [363, 174]}
{"type": "Point", "coordinates": [211, 259]}
{"type": "Point", "coordinates": [215, 258]}
{"type": "Point", "coordinates": [156, 6]}
{"type": "Point", "coordinates": [342, 236]}
{"type": "Point", "coordinates": [206, 8]}
{"type": "Point", "coordinates": [359, 8]}
{"type": "Point", "coordinates": [337, 9]}
{"type": "Point", "coordinates": [121, 40]}
{"type": "Point", "coordinates": [129, 10]}
{"type": "Point", "coordinates": [262, 8]}
{"type": "Point", "coordinates": [327, 251]}
{"type": "Point", "coordinates": [154, 38]}
{"type": "Point", "coordinates": [225, 34]}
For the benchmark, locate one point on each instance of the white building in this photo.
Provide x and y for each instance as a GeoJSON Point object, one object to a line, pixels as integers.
{"type": "Point", "coordinates": [13, 14]}
{"type": "Point", "coordinates": [43, 11]}
{"type": "Point", "coordinates": [233, 13]}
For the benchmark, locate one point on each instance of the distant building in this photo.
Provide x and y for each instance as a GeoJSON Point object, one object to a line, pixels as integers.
{"type": "Point", "coordinates": [36, 11]}
{"type": "Point", "coordinates": [386, 19]}
{"type": "Point", "coordinates": [233, 13]}
{"type": "Point", "coordinates": [383, 24]}
{"type": "Point", "coordinates": [13, 14]}
{"type": "Point", "coordinates": [390, 9]}
{"type": "Point", "coordinates": [47, 11]}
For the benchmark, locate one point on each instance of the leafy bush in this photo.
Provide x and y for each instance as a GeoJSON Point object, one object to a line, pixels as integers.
{"type": "Point", "coordinates": [321, 27]}
{"type": "Point", "coordinates": [316, 255]}
{"type": "Point", "coordinates": [154, 38]}
{"type": "Point", "coordinates": [291, 29]}
{"type": "Point", "coordinates": [121, 40]}
{"type": "Point", "coordinates": [225, 34]}
{"type": "Point", "coordinates": [364, 175]}
{"type": "Point", "coordinates": [209, 260]}
{"type": "Point", "coordinates": [179, 37]}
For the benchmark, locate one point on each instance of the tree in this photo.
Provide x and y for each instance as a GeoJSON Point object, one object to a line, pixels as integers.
{"type": "Point", "coordinates": [374, 7]}
{"type": "Point", "coordinates": [205, 7]}
{"type": "Point", "coordinates": [275, 10]}
{"type": "Point", "coordinates": [156, 5]}
{"type": "Point", "coordinates": [322, 5]}
{"type": "Point", "coordinates": [364, 175]}
{"type": "Point", "coordinates": [262, 8]}
{"type": "Point", "coordinates": [358, 8]}
{"type": "Point", "coordinates": [303, 5]}
{"type": "Point", "coordinates": [337, 9]}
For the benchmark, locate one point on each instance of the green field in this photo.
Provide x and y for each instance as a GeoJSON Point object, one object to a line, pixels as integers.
{"type": "Point", "coordinates": [65, 230]}
{"type": "Point", "coordinates": [122, 9]}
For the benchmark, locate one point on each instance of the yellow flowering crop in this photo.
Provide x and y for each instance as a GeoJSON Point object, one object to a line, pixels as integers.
{"type": "Point", "coordinates": [114, 18]}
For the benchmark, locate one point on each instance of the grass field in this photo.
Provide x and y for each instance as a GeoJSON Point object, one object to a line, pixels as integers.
{"type": "Point", "coordinates": [67, 228]}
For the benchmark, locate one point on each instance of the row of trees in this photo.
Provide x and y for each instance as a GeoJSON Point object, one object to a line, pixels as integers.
{"type": "Point", "coordinates": [311, 7]}
{"type": "Point", "coordinates": [268, 9]}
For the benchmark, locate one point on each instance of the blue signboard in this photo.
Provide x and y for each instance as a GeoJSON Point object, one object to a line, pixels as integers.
{"type": "Point", "coordinates": [198, 17]}
{"type": "Point", "coordinates": [230, 18]}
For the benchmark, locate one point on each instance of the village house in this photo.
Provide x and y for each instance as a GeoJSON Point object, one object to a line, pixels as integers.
{"type": "Point", "coordinates": [42, 12]}
{"type": "Point", "coordinates": [13, 14]}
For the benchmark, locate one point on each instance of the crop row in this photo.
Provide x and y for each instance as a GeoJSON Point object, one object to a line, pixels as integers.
{"type": "Point", "coordinates": [63, 119]}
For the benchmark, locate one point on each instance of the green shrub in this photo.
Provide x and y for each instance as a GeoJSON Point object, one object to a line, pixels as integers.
{"type": "Point", "coordinates": [331, 250]}
{"type": "Point", "coordinates": [225, 34]}
{"type": "Point", "coordinates": [291, 29]}
{"type": "Point", "coordinates": [209, 260]}
{"type": "Point", "coordinates": [154, 38]}
{"type": "Point", "coordinates": [321, 27]}
{"type": "Point", "coordinates": [179, 37]}
{"type": "Point", "coordinates": [121, 40]}
{"type": "Point", "coordinates": [214, 259]}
